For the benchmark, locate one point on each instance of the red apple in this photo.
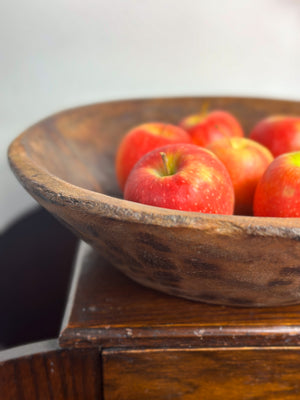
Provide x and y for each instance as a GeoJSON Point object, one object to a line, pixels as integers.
{"type": "Point", "coordinates": [278, 192]}
{"type": "Point", "coordinates": [279, 133]}
{"type": "Point", "coordinates": [142, 139]}
{"type": "Point", "coordinates": [182, 177]}
{"type": "Point", "coordinates": [205, 128]}
{"type": "Point", "coordinates": [246, 161]}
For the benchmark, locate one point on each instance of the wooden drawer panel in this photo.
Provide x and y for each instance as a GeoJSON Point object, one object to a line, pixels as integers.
{"type": "Point", "coordinates": [208, 374]}
{"type": "Point", "coordinates": [43, 371]}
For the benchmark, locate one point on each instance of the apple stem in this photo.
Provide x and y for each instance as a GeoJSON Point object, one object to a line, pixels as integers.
{"type": "Point", "coordinates": [165, 163]}
{"type": "Point", "coordinates": [204, 108]}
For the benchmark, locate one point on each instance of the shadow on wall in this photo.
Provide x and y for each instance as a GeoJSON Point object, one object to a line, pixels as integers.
{"type": "Point", "coordinates": [36, 255]}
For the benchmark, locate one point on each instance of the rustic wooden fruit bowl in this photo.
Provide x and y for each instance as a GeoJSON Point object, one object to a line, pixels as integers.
{"type": "Point", "coordinates": [66, 162]}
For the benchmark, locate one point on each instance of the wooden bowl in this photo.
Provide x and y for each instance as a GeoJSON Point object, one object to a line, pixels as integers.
{"type": "Point", "coordinates": [66, 162]}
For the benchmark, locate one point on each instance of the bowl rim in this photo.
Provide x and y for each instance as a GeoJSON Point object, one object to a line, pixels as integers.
{"type": "Point", "coordinates": [48, 187]}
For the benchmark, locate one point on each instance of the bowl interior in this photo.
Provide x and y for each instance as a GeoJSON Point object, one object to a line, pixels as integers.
{"type": "Point", "coordinates": [79, 145]}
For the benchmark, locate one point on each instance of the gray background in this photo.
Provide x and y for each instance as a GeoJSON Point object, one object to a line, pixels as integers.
{"type": "Point", "coordinates": [64, 53]}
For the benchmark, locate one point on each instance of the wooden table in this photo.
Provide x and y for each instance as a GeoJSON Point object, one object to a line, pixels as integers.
{"type": "Point", "coordinates": [120, 340]}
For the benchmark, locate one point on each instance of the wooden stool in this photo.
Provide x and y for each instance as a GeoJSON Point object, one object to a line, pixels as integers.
{"type": "Point", "coordinates": [120, 340]}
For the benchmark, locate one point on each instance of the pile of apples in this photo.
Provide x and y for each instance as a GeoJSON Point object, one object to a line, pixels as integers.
{"type": "Point", "coordinates": [206, 164]}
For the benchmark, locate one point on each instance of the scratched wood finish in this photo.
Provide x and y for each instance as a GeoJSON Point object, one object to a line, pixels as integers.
{"type": "Point", "coordinates": [106, 309]}
{"type": "Point", "coordinates": [186, 374]}
{"type": "Point", "coordinates": [66, 162]}
{"type": "Point", "coordinates": [43, 371]}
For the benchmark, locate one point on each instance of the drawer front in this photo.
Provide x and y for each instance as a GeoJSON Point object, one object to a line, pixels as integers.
{"type": "Point", "coordinates": [208, 374]}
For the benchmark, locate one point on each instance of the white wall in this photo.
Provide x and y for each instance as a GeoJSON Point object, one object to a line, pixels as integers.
{"type": "Point", "coordinates": [63, 53]}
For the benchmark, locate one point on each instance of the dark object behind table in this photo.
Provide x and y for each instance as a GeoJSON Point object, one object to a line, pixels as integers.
{"type": "Point", "coordinates": [36, 254]}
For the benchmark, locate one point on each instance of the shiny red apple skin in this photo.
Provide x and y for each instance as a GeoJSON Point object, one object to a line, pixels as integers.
{"type": "Point", "coordinates": [246, 162]}
{"type": "Point", "coordinates": [142, 139]}
{"type": "Point", "coordinates": [280, 134]}
{"type": "Point", "coordinates": [196, 180]}
{"type": "Point", "coordinates": [205, 128]}
{"type": "Point", "coordinates": [278, 192]}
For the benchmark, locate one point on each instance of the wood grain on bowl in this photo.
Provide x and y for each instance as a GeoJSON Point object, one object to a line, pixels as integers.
{"type": "Point", "coordinates": [66, 162]}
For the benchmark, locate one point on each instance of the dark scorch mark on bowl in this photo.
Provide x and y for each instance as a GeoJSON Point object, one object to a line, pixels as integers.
{"type": "Point", "coordinates": [290, 271]}
{"type": "Point", "coordinates": [239, 301]}
{"type": "Point", "coordinates": [166, 277]}
{"type": "Point", "coordinates": [151, 240]}
{"type": "Point", "coordinates": [154, 261]}
{"type": "Point", "coordinates": [202, 269]}
{"type": "Point", "coordinates": [279, 282]}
